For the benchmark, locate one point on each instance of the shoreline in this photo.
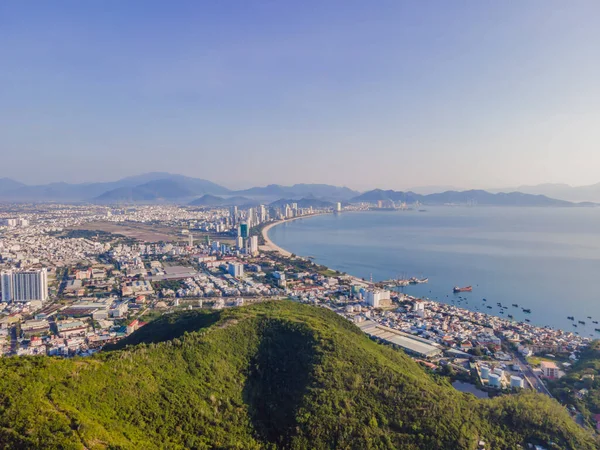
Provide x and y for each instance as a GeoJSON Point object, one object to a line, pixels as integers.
{"type": "Point", "coordinates": [270, 246]}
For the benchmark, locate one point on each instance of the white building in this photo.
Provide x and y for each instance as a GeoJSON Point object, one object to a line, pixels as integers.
{"type": "Point", "coordinates": [24, 285]}
{"type": "Point", "coordinates": [280, 277]}
{"type": "Point", "coordinates": [262, 213]}
{"type": "Point", "coordinates": [235, 269]}
{"type": "Point", "coordinates": [253, 245]}
{"type": "Point", "coordinates": [420, 309]}
{"type": "Point", "coordinates": [375, 297]}
{"type": "Point", "coordinates": [338, 207]}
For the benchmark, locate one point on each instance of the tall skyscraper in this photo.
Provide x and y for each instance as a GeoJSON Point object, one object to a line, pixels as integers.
{"type": "Point", "coordinates": [24, 285]}
{"type": "Point", "coordinates": [254, 245]}
{"type": "Point", "coordinates": [244, 227]}
{"type": "Point", "coordinates": [250, 218]}
{"type": "Point", "coordinates": [338, 207]}
{"type": "Point", "coordinates": [262, 213]}
{"type": "Point", "coordinates": [233, 212]}
{"type": "Point", "coordinates": [191, 240]}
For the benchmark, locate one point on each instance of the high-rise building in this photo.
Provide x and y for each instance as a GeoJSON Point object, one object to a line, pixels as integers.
{"type": "Point", "coordinates": [24, 285]}
{"type": "Point", "coordinates": [240, 242]}
{"type": "Point", "coordinates": [338, 207]}
{"type": "Point", "coordinates": [262, 213]}
{"type": "Point", "coordinates": [250, 218]}
{"type": "Point", "coordinates": [233, 211]}
{"type": "Point", "coordinates": [191, 240]}
{"type": "Point", "coordinates": [254, 245]}
{"type": "Point", "coordinates": [244, 230]}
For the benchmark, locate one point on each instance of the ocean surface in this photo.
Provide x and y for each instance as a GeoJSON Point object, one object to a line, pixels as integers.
{"type": "Point", "coordinates": [545, 259]}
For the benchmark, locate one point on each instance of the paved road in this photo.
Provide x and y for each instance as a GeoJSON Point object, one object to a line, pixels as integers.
{"type": "Point", "coordinates": [14, 343]}
{"type": "Point", "coordinates": [532, 378]}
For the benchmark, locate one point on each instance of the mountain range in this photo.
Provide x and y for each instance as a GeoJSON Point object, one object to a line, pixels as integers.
{"type": "Point", "coordinates": [478, 197]}
{"type": "Point", "coordinates": [275, 375]}
{"type": "Point", "coordinates": [161, 187]}
{"type": "Point", "coordinates": [158, 187]}
{"type": "Point", "coordinates": [589, 193]}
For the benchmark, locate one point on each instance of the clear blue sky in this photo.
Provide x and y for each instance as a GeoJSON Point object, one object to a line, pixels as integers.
{"type": "Point", "coordinates": [388, 94]}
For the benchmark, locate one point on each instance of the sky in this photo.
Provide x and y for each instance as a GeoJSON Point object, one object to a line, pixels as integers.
{"type": "Point", "coordinates": [389, 94]}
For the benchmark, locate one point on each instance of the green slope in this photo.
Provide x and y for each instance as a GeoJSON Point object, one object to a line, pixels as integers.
{"type": "Point", "coordinates": [275, 375]}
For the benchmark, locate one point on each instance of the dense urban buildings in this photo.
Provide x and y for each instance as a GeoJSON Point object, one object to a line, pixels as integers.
{"type": "Point", "coordinates": [77, 277]}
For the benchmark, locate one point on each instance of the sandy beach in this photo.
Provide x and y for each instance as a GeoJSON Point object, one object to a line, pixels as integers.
{"type": "Point", "coordinates": [269, 245]}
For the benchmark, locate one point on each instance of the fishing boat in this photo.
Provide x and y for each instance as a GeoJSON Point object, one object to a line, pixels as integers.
{"type": "Point", "coordinates": [571, 318]}
{"type": "Point", "coordinates": [597, 329]}
{"type": "Point", "coordinates": [581, 322]}
{"type": "Point", "coordinates": [515, 305]}
{"type": "Point", "coordinates": [528, 311]}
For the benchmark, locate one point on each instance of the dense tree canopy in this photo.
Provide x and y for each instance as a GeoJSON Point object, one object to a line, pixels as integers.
{"type": "Point", "coordinates": [274, 375]}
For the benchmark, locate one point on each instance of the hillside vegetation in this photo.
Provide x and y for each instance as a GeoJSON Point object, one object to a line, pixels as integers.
{"type": "Point", "coordinates": [274, 375]}
{"type": "Point", "coordinates": [581, 386]}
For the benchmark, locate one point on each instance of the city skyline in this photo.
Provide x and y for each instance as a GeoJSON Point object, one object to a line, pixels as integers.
{"type": "Point", "coordinates": [477, 95]}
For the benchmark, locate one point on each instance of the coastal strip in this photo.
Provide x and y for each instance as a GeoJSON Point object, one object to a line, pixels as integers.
{"type": "Point", "coordinates": [269, 245]}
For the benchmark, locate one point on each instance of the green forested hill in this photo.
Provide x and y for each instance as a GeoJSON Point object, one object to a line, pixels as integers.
{"type": "Point", "coordinates": [274, 375]}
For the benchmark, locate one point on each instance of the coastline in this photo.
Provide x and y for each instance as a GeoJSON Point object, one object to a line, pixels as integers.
{"type": "Point", "coordinates": [270, 246]}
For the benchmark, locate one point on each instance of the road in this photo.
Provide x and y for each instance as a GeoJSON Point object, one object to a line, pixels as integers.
{"type": "Point", "coordinates": [532, 377]}
{"type": "Point", "coordinates": [14, 343]}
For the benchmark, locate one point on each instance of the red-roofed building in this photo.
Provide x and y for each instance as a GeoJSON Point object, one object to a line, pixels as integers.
{"type": "Point", "coordinates": [135, 325]}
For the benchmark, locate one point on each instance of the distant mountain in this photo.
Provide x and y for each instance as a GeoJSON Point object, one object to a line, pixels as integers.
{"type": "Point", "coordinates": [302, 203]}
{"type": "Point", "coordinates": [425, 190]}
{"type": "Point", "coordinates": [7, 185]}
{"type": "Point", "coordinates": [478, 197]}
{"type": "Point", "coordinates": [135, 188]}
{"type": "Point", "coordinates": [378, 194]}
{"type": "Point", "coordinates": [560, 191]}
{"type": "Point", "coordinates": [323, 191]}
{"type": "Point", "coordinates": [152, 191]}
{"type": "Point", "coordinates": [213, 200]}
{"type": "Point", "coordinates": [500, 199]}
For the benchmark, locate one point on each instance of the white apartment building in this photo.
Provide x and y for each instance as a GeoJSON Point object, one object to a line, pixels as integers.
{"type": "Point", "coordinates": [253, 245]}
{"type": "Point", "coordinates": [236, 270]}
{"type": "Point", "coordinates": [24, 285]}
{"type": "Point", "coordinates": [374, 297]}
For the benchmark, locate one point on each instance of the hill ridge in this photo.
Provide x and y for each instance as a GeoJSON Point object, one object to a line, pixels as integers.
{"type": "Point", "coordinates": [272, 375]}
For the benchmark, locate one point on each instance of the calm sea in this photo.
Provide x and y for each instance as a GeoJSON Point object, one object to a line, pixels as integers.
{"type": "Point", "coordinates": [545, 259]}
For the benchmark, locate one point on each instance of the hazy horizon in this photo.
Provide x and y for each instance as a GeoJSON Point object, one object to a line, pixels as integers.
{"type": "Point", "coordinates": [236, 185]}
{"type": "Point", "coordinates": [471, 95]}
